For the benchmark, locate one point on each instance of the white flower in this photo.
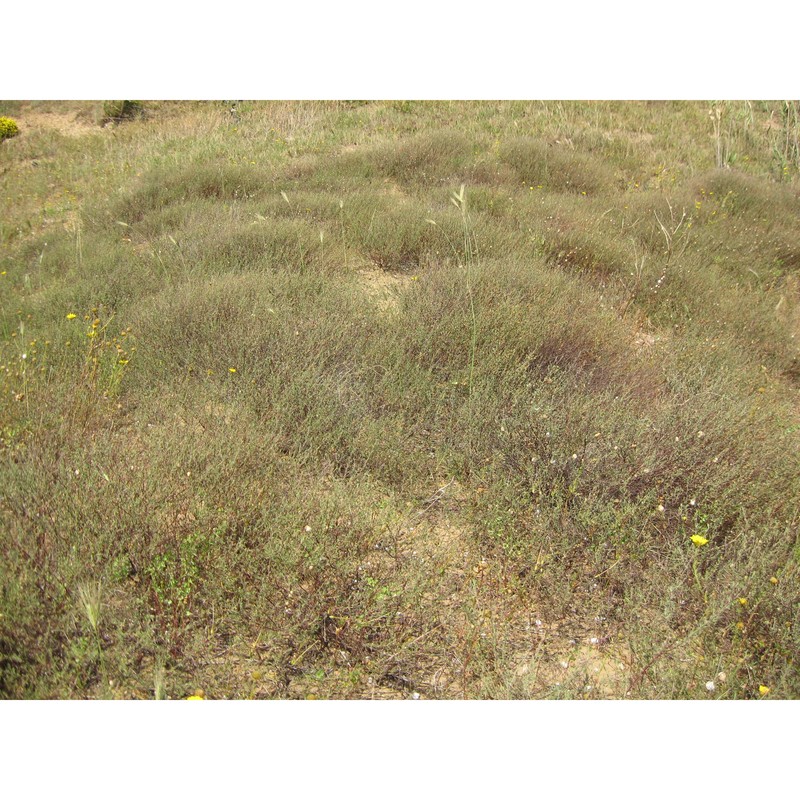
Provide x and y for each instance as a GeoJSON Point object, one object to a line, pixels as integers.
{"type": "Point", "coordinates": [710, 686]}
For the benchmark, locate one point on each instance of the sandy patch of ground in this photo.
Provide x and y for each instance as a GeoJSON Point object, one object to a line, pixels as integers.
{"type": "Point", "coordinates": [383, 288]}
{"type": "Point", "coordinates": [67, 124]}
{"type": "Point", "coordinates": [584, 669]}
{"type": "Point", "coordinates": [394, 190]}
{"type": "Point", "coordinates": [643, 340]}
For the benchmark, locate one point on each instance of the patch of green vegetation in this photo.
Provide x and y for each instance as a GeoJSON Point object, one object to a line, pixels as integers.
{"type": "Point", "coordinates": [371, 399]}
{"type": "Point", "coordinates": [118, 110]}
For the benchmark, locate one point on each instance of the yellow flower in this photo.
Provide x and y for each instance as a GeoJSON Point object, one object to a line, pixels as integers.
{"type": "Point", "coordinates": [199, 694]}
{"type": "Point", "coordinates": [743, 601]}
{"type": "Point", "coordinates": [71, 316]}
{"type": "Point", "coordinates": [698, 540]}
{"type": "Point", "coordinates": [763, 690]}
{"type": "Point", "coordinates": [231, 369]}
{"type": "Point", "coordinates": [773, 579]}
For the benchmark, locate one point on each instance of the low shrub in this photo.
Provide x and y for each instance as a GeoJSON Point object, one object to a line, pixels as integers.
{"type": "Point", "coordinates": [539, 165]}
{"type": "Point", "coordinates": [8, 128]}
{"type": "Point", "coordinates": [118, 110]}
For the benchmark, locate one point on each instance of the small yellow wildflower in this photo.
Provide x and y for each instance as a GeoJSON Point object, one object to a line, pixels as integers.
{"type": "Point", "coordinates": [698, 540]}
{"type": "Point", "coordinates": [231, 369]}
{"type": "Point", "coordinates": [763, 690]}
{"type": "Point", "coordinates": [71, 316]}
{"type": "Point", "coordinates": [743, 601]}
{"type": "Point", "coordinates": [773, 579]}
{"type": "Point", "coordinates": [199, 694]}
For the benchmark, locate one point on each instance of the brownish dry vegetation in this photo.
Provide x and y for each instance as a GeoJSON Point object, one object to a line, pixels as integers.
{"type": "Point", "coordinates": [389, 400]}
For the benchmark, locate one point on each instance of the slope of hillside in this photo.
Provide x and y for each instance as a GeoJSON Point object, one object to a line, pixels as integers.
{"type": "Point", "coordinates": [383, 399]}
